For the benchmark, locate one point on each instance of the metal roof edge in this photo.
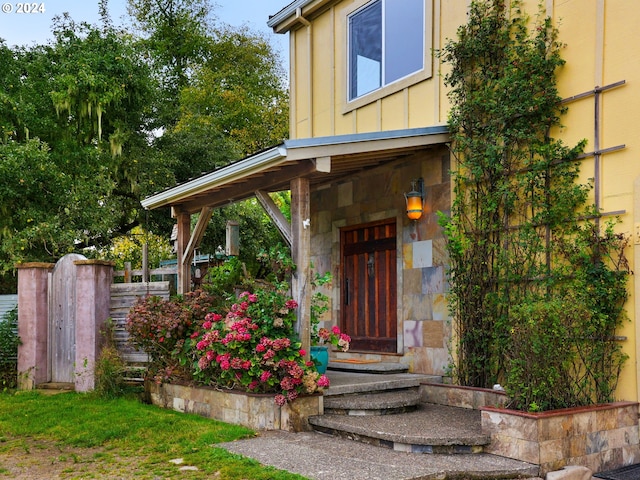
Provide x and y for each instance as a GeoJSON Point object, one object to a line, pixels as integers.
{"type": "Point", "coordinates": [242, 167]}
{"type": "Point", "coordinates": [365, 137]}
{"type": "Point", "coordinates": [286, 12]}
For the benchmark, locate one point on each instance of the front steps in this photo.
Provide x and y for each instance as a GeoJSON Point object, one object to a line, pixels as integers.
{"type": "Point", "coordinates": [387, 411]}
{"type": "Point", "coordinates": [375, 403]}
{"type": "Point", "coordinates": [360, 406]}
{"type": "Point", "coordinates": [53, 388]}
{"type": "Point", "coordinates": [429, 429]}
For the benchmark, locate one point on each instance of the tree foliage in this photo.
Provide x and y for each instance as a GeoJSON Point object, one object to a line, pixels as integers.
{"type": "Point", "coordinates": [128, 248]}
{"type": "Point", "coordinates": [238, 92]}
{"type": "Point", "coordinates": [99, 118]}
{"type": "Point", "coordinates": [175, 37]}
{"type": "Point", "coordinates": [72, 117]}
{"type": "Point", "coordinates": [518, 215]}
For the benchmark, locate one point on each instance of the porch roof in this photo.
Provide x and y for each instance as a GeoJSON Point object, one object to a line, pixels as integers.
{"type": "Point", "coordinates": [321, 159]}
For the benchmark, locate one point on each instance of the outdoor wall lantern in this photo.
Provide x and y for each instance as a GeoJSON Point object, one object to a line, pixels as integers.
{"type": "Point", "coordinates": [415, 199]}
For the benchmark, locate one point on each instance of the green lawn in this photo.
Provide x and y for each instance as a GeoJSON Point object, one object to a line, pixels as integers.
{"type": "Point", "coordinates": [121, 438]}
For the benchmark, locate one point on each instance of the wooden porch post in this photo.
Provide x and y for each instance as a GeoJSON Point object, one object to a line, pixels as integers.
{"type": "Point", "coordinates": [184, 264]}
{"type": "Point", "coordinates": [300, 251]}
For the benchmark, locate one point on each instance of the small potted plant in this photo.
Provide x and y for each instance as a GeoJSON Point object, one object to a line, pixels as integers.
{"type": "Point", "coordinates": [321, 338]}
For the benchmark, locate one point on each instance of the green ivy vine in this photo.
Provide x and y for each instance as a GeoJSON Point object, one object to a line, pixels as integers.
{"type": "Point", "coordinates": [525, 248]}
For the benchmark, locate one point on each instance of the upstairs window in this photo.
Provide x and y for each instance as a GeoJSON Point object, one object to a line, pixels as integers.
{"type": "Point", "coordinates": [386, 43]}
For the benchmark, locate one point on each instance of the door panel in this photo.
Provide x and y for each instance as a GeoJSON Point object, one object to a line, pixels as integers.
{"type": "Point", "coordinates": [369, 286]}
{"type": "Point", "coordinates": [62, 321]}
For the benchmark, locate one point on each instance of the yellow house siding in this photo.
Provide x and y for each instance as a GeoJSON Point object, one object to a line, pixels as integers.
{"type": "Point", "coordinates": [302, 59]}
{"type": "Point", "coordinates": [577, 32]}
{"type": "Point", "coordinates": [452, 15]}
{"type": "Point", "coordinates": [601, 41]}
{"type": "Point", "coordinates": [393, 113]}
{"type": "Point", "coordinates": [422, 98]}
{"type": "Point", "coordinates": [323, 75]}
{"type": "Point", "coordinates": [600, 50]}
{"type": "Point", "coordinates": [320, 90]}
{"type": "Point", "coordinates": [367, 119]}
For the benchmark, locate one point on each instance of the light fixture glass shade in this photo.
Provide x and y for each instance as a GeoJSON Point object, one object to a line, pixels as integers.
{"type": "Point", "coordinates": [414, 205]}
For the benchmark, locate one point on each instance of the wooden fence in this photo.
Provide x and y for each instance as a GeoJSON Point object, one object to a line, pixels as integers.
{"type": "Point", "coordinates": [143, 273]}
{"type": "Point", "coordinates": [123, 297]}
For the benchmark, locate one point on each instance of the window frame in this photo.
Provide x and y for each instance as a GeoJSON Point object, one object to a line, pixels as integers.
{"type": "Point", "coordinates": [397, 85]}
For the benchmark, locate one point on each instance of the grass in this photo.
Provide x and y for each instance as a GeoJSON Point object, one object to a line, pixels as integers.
{"type": "Point", "coordinates": [124, 437]}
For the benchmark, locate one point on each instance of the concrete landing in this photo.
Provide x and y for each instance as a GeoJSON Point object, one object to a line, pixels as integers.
{"type": "Point", "coordinates": [317, 456]}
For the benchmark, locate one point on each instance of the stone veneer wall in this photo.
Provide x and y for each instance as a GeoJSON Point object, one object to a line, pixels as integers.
{"type": "Point", "coordinates": [600, 437]}
{"type": "Point", "coordinates": [258, 412]}
{"type": "Point", "coordinates": [378, 194]}
{"type": "Point", "coordinates": [462, 397]}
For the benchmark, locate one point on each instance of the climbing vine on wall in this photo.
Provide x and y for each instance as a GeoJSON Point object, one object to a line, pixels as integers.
{"type": "Point", "coordinates": [519, 217]}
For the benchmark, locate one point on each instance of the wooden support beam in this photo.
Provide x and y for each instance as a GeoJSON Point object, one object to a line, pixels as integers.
{"type": "Point", "coordinates": [323, 164]}
{"type": "Point", "coordinates": [183, 220]}
{"type": "Point", "coordinates": [198, 233]}
{"type": "Point", "coordinates": [301, 253]}
{"type": "Point", "coordinates": [275, 214]}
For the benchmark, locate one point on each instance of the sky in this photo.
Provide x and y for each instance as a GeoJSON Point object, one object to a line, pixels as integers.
{"type": "Point", "coordinates": [26, 23]}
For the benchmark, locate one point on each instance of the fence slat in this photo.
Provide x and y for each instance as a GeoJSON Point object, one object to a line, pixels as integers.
{"type": "Point", "coordinates": [123, 297]}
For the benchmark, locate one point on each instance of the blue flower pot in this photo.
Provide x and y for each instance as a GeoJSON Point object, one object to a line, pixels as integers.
{"type": "Point", "coordinates": [320, 356]}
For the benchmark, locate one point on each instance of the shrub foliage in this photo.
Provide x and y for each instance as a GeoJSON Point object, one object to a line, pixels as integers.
{"type": "Point", "coordinates": [9, 342]}
{"type": "Point", "coordinates": [245, 342]}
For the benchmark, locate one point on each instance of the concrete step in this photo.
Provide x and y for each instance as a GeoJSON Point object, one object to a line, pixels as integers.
{"type": "Point", "coordinates": [375, 403]}
{"type": "Point", "coordinates": [350, 382]}
{"type": "Point", "coordinates": [356, 366]}
{"type": "Point", "coordinates": [429, 429]}
{"type": "Point", "coordinates": [56, 386]}
{"type": "Point", "coordinates": [53, 388]}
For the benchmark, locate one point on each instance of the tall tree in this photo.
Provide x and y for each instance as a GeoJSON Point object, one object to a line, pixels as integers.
{"type": "Point", "coordinates": [73, 117]}
{"type": "Point", "coordinates": [239, 91]}
{"type": "Point", "coordinates": [176, 36]}
{"type": "Point", "coordinates": [236, 104]}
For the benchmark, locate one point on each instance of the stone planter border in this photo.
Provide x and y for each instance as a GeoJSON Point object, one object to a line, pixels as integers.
{"type": "Point", "coordinates": [255, 411]}
{"type": "Point", "coordinates": [462, 397]}
{"type": "Point", "coordinates": [599, 437]}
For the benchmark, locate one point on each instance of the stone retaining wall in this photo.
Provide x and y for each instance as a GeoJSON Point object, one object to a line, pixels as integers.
{"type": "Point", "coordinates": [255, 411]}
{"type": "Point", "coordinates": [599, 437]}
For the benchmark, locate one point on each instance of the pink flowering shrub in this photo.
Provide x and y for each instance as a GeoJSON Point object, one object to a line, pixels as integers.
{"type": "Point", "coordinates": [252, 348]}
{"type": "Point", "coordinates": [162, 327]}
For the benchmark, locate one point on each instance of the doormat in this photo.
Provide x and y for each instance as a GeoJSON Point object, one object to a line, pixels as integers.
{"type": "Point", "coordinates": [354, 360]}
{"type": "Point", "coordinates": [631, 472]}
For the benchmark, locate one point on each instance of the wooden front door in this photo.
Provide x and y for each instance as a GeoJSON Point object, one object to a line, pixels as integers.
{"type": "Point", "coordinates": [368, 280]}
